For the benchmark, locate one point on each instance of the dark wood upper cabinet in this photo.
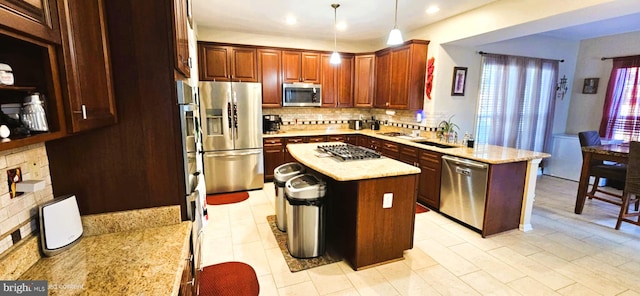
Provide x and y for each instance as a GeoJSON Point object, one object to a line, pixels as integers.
{"type": "Point", "coordinates": [37, 18]}
{"type": "Point", "coordinates": [337, 82]}
{"type": "Point", "coordinates": [363, 80]}
{"type": "Point", "coordinates": [89, 94]}
{"type": "Point", "coordinates": [400, 76]}
{"type": "Point", "coordinates": [269, 73]}
{"type": "Point", "coordinates": [383, 79]}
{"type": "Point", "coordinates": [181, 38]}
{"type": "Point", "coordinates": [227, 63]}
{"type": "Point", "coordinates": [299, 66]}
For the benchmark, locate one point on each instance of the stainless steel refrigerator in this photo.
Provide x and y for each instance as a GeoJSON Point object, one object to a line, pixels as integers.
{"type": "Point", "coordinates": [231, 115]}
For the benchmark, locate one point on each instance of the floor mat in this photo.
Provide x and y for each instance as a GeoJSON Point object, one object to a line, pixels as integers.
{"type": "Point", "coordinates": [421, 209]}
{"type": "Point", "coordinates": [226, 198]}
{"type": "Point", "coordinates": [296, 264]}
{"type": "Point", "coordinates": [229, 278]}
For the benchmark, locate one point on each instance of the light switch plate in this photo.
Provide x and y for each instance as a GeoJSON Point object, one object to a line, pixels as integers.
{"type": "Point", "coordinates": [387, 200]}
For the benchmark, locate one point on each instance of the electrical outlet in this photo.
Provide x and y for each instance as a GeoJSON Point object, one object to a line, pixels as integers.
{"type": "Point", "coordinates": [387, 200]}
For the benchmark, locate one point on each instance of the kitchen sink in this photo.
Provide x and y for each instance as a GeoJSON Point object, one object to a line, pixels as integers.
{"type": "Point", "coordinates": [435, 144]}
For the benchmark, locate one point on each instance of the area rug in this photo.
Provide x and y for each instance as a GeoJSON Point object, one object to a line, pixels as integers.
{"type": "Point", "coordinates": [226, 198]}
{"type": "Point", "coordinates": [228, 279]}
{"type": "Point", "coordinates": [421, 209]}
{"type": "Point", "coordinates": [296, 264]}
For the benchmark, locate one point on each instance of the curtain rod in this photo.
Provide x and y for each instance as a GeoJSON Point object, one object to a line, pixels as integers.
{"type": "Point", "coordinates": [610, 58]}
{"type": "Point", "coordinates": [483, 53]}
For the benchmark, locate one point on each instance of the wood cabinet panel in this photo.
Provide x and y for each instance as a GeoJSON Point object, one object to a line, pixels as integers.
{"type": "Point", "coordinates": [298, 66]}
{"type": "Point", "coordinates": [315, 139]}
{"type": "Point", "coordinates": [383, 79]}
{"type": "Point", "coordinates": [329, 82]}
{"type": "Point", "coordinates": [364, 80]}
{"type": "Point", "coordinates": [181, 38]}
{"type": "Point", "coordinates": [269, 74]}
{"type": "Point", "coordinates": [352, 139]}
{"type": "Point", "coordinates": [408, 155]}
{"type": "Point", "coordinates": [90, 100]}
{"type": "Point", "coordinates": [35, 18]}
{"type": "Point", "coordinates": [400, 76]}
{"type": "Point", "coordinates": [390, 149]}
{"type": "Point", "coordinates": [227, 63]}
{"type": "Point", "coordinates": [244, 65]}
{"type": "Point", "coordinates": [504, 197]}
{"type": "Point", "coordinates": [429, 181]}
{"type": "Point", "coordinates": [291, 140]}
{"type": "Point", "coordinates": [336, 138]}
{"type": "Point", "coordinates": [273, 156]}
{"type": "Point", "coordinates": [337, 82]}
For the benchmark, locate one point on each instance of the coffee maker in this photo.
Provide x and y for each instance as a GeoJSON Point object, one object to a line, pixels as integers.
{"type": "Point", "coordinates": [271, 124]}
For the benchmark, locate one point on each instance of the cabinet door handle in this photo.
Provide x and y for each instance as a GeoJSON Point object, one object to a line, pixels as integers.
{"type": "Point", "coordinates": [83, 111]}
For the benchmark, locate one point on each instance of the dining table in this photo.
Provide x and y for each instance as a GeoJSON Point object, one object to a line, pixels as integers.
{"type": "Point", "coordinates": [615, 152]}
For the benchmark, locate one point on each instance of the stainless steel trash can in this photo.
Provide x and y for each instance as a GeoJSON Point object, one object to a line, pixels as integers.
{"type": "Point", "coordinates": [305, 216]}
{"type": "Point", "coordinates": [281, 175]}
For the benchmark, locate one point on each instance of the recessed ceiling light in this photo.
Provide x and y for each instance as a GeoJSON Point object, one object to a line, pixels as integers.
{"type": "Point", "coordinates": [341, 26]}
{"type": "Point", "coordinates": [433, 9]}
{"type": "Point", "coordinates": [291, 20]}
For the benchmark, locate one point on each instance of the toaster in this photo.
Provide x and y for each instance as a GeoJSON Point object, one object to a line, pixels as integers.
{"type": "Point", "coordinates": [355, 124]}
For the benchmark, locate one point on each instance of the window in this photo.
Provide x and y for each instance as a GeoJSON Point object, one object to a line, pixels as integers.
{"type": "Point", "coordinates": [621, 112]}
{"type": "Point", "coordinates": [516, 101]}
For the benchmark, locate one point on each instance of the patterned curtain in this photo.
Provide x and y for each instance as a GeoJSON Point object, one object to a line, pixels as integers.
{"type": "Point", "coordinates": [621, 112]}
{"type": "Point", "coordinates": [516, 101]}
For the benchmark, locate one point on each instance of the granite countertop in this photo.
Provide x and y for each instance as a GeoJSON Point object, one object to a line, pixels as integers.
{"type": "Point", "coordinates": [484, 153]}
{"type": "Point", "coordinates": [141, 262]}
{"type": "Point", "coordinates": [349, 170]}
{"type": "Point", "coordinates": [136, 252]}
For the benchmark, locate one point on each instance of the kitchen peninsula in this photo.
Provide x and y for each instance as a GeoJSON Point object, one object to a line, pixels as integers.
{"type": "Point", "coordinates": [370, 205]}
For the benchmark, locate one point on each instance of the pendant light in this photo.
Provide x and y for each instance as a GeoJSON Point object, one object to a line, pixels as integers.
{"type": "Point", "coordinates": [335, 56]}
{"type": "Point", "coordinates": [395, 37]}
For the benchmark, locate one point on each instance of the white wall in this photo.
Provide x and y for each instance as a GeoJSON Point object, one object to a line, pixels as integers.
{"type": "Point", "coordinates": [585, 111]}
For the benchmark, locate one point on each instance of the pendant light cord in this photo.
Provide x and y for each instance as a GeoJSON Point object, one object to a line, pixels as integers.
{"type": "Point", "coordinates": [395, 25]}
{"type": "Point", "coordinates": [335, 23]}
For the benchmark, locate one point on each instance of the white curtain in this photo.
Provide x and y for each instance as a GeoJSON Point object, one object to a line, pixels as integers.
{"type": "Point", "coordinates": [516, 101]}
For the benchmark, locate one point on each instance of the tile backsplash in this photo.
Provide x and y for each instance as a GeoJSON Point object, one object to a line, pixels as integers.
{"type": "Point", "coordinates": [311, 118]}
{"type": "Point", "coordinates": [19, 214]}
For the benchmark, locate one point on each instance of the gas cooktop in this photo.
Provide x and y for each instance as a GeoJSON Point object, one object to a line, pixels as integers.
{"type": "Point", "coordinates": [346, 152]}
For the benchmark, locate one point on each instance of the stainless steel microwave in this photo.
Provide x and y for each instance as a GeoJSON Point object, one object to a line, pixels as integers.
{"type": "Point", "coordinates": [301, 95]}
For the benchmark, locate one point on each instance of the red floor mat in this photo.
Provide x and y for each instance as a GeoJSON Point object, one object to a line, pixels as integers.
{"type": "Point", "coordinates": [229, 279]}
{"type": "Point", "coordinates": [421, 209]}
{"type": "Point", "coordinates": [226, 198]}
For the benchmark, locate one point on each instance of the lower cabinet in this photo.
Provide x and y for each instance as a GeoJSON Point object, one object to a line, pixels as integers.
{"type": "Point", "coordinates": [287, 156]}
{"type": "Point", "coordinates": [187, 281]}
{"type": "Point", "coordinates": [273, 153]}
{"type": "Point", "coordinates": [429, 184]}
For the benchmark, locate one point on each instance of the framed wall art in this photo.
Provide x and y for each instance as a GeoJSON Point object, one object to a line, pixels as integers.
{"type": "Point", "coordinates": [459, 81]}
{"type": "Point", "coordinates": [590, 85]}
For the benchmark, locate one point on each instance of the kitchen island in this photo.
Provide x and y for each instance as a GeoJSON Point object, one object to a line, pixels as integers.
{"type": "Point", "coordinates": [527, 164]}
{"type": "Point", "coordinates": [370, 205]}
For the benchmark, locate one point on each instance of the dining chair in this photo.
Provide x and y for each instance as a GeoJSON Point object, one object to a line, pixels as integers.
{"type": "Point", "coordinates": [598, 169]}
{"type": "Point", "coordinates": [631, 187]}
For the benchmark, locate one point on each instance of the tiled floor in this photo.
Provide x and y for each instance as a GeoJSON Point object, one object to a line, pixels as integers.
{"type": "Point", "coordinates": [565, 253]}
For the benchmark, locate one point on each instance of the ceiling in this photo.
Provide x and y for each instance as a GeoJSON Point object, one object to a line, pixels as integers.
{"type": "Point", "coordinates": [365, 19]}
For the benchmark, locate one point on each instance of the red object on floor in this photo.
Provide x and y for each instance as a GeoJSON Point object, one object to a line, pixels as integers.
{"type": "Point", "coordinates": [421, 209]}
{"type": "Point", "coordinates": [226, 198]}
{"type": "Point", "coordinates": [229, 279]}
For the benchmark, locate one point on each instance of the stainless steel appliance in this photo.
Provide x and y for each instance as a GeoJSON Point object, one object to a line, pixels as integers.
{"type": "Point", "coordinates": [271, 124]}
{"type": "Point", "coordinates": [346, 152]}
{"type": "Point", "coordinates": [355, 124]}
{"type": "Point", "coordinates": [463, 190]}
{"type": "Point", "coordinates": [232, 135]}
{"type": "Point", "coordinates": [301, 95]}
{"type": "Point", "coordinates": [192, 155]}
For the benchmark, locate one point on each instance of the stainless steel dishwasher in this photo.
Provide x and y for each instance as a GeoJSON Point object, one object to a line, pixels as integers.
{"type": "Point", "coordinates": [463, 189]}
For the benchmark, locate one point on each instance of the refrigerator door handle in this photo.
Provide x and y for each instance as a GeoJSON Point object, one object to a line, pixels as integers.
{"type": "Point", "coordinates": [229, 120]}
{"type": "Point", "coordinates": [235, 118]}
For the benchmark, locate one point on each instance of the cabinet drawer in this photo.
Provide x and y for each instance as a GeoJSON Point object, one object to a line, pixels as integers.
{"type": "Point", "coordinates": [431, 157]}
{"type": "Point", "coordinates": [336, 138]}
{"type": "Point", "coordinates": [407, 151]}
{"type": "Point", "coordinates": [316, 139]}
{"type": "Point", "coordinates": [273, 141]}
{"type": "Point", "coordinates": [294, 140]}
